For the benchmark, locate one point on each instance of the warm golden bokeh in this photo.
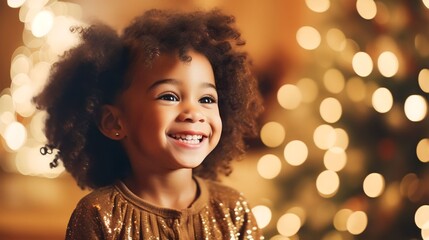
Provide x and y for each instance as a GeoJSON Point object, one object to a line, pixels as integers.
{"type": "Point", "coordinates": [343, 147]}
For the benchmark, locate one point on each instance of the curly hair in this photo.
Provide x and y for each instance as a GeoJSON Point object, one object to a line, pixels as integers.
{"type": "Point", "coordinates": [96, 71]}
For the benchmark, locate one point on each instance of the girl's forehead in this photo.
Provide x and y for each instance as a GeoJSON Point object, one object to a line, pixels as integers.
{"type": "Point", "coordinates": [169, 65]}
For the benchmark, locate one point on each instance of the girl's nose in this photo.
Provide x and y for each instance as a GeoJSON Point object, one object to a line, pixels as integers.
{"type": "Point", "coordinates": [191, 113]}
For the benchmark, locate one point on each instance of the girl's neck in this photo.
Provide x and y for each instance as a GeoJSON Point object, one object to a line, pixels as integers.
{"type": "Point", "coordinates": [175, 190]}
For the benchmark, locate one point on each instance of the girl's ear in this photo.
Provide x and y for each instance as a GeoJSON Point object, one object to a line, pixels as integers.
{"type": "Point", "coordinates": [110, 124]}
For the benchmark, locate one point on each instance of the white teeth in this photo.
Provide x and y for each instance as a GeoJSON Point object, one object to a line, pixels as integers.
{"type": "Point", "coordinates": [187, 137]}
{"type": "Point", "coordinates": [193, 141]}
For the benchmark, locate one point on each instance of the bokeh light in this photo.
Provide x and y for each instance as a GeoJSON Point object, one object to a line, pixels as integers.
{"type": "Point", "coordinates": [15, 3]}
{"type": "Point", "coordinates": [289, 96]}
{"type": "Point", "coordinates": [330, 110]}
{"type": "Point", "coordinates": [296, 152]}
{"type": "Point", "coordinates": [424, 80]}
{"type": "Point", "coordinates": [357, 222]}
{"type": "Point", "coordinates": [421, 216]}
{"type": "Point", "coordinates": [362, 64]}
{"type": "Point", "coordinates": [388, 64]}
{"type": "Point", "coordinates": [333, 80]}
{"type": "Point", "coordinates": [327, 183]}
{"type": "Point", "coordinates": [373, 185]}
{"type": "Point", "coordinates": [262, 215]}
{"type": "Point", "coordinates": [308, 37]}
{"type": "Point", "coordinates": [426, 3]}
{"type": "Point", "coordinates": [336, 39]}
{"type": "Point", "coordinates": [425, 232]}
{"type": "Point", "coordinates": [415, 108]}
{"type": "Point", "coordinates": [288, 224]}
{"type": "Point", "coordinates": [300, 212]}
{"type": "Point", "coordinates": [60, 38]}
{"type": "Point", "coordinates": [20, 64]}
{"type": "Point", "coordinates": [324, 136]}
{"type": "Point", "coordinates": [308, 88]}
{"type": "Point", "coordinates": [341, 138]}
{"type": "Point", "coordinates": [37, 126]}
{"type": "Point", "coordinates": [272, 134]}
{"type": "Point", "coordinates": [318, 5]}
{"type": "Point", "coordinates": [335, 159]}
{"type": "Point", "coordinates": [367, 9]}
{"type": "Point", "coordinates": [29, 161]}
{"type": "Point", "coordinates": [15, 135]}
{"type": "Point", "coordinates": [340, 219]}
{"type": "Point", "coordinates": [269, 166]}
{"type": "Point", "coordinates": [42, 23]}
{"type": "Point", "coordinates": [382, 100]}
{"type": "Point", "coordinates": [423, 150]}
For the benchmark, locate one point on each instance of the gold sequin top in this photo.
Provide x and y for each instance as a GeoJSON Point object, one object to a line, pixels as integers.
{"type": "Point", "coordinates": [114, 212]}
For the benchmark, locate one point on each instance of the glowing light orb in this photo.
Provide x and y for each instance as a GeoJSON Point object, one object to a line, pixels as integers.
{"type": "Point", "coordinates": [357, 222]}
{"type": "Point", "coordinates": [327, 183]}
{"type": "Point", "coordinates": [272, 134]}
{"type": "Point", "coordinates": [289, 96]}
{"type": "Point", "coordinates": [382, 100]}
{"type": "Point", "coordinates": [373, 185]}
{"type": "Point", "coordinates": [269, 166]}
{"type": "Point", "coordinates": [362, 64]}
{"type": "Point", "coordinates": [296, 152]}
{"type": "Point", "coordinates": [415, 108]}
{"type": "Point", "coordinates": [42, 23]}
{"type": "Point", "coordinates": [262, 215]}
{"type": "Point", "coordinates": [330, 110]}
{"type": "Point", "coordinates": [308, 37]}
{"type": "Point", "coordinates": [288, 224]}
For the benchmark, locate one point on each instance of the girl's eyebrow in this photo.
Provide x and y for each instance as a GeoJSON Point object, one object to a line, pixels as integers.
{"type": "Point", "coordinates": [163, 81]}
{"type": "Point", "coordinates": [176, 82]}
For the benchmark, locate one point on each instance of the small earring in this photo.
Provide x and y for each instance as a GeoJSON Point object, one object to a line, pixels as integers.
{"type": "Point", "coordinates": [117, 134]}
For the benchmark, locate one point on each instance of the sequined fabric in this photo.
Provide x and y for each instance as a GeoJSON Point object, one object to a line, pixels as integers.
{"type": "Point", "coordinates": [114, 212]}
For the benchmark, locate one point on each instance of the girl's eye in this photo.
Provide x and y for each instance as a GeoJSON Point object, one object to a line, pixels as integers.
{"type": "Point", "coordinates": [169, 97]}
{"type": "Point", "coordinates": [207, 100]}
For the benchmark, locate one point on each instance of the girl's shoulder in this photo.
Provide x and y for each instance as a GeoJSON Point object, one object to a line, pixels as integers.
{"type": "Point", "coordinates": [98, 198]}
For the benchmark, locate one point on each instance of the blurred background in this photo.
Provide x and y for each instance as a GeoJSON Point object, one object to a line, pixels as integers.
{"type": "Point", "coordinates": [344, 143]}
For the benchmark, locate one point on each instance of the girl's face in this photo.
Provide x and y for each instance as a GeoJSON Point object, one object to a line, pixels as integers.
{"type": "Point", "coordinates": [170, 114]}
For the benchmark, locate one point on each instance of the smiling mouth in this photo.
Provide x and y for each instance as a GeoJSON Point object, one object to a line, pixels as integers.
{"type": "Point", "coordinates": [187, 138]}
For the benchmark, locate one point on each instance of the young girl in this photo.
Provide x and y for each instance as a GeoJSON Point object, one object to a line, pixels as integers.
{"type": "Point", "coordinates": [147, 120]}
